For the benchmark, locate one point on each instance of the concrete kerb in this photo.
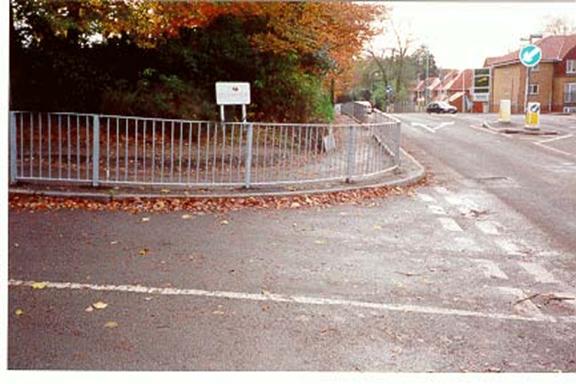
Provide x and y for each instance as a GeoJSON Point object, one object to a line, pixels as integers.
{"type": "Point", "coordinates": [412, 178]}
{"type": "Point", "coordinates": [509, 129]}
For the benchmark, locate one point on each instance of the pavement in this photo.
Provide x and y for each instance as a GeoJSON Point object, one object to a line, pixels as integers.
{"type": "Point", "coordinates": [471, 273]}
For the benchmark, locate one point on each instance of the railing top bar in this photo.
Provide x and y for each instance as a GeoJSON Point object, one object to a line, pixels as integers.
{"type": "Point", "coordinates": [255, 124]}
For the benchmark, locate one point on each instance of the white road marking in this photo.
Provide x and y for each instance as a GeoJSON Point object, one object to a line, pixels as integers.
{"type": "Point", "coordinates": [539, 273]}
{"type": "Point", "coordinates": [554, 149]}
{"type": "Point", "coordinates": [522, 305]}
{"type": "Point", "coordinates": [279, 298]}
{"type": "Point", "coordinates": [491, 269]}
{"type": "Point", "coordinates": [449, 224]}
{"type": "Point", "coordinates": [426, 198]}
{"type": "Point", "coordinates": [437, 210]}
{"type": "Point", "coordinates": [423, 126]}
{"type": "Point", "coordinates": [468, 244]}
{"type": "Point", "coordinates": [488, 227]}
{"type": "Point", "coordinates": [569, 298]}
{"type": "Point", "coordinates": [442, 190]}
{"type": "Point", "coordinates": [465, 204]}
{"type": "Point", "coordinates": [555, 139]}
{"type": "Point", "coordinates": [507, 246]}
{"type": "Point", "coordinates": [474, 126]}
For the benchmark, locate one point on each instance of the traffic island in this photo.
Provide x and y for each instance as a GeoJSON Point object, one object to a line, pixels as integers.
{"type": "Point", "coordinates": [516, 128]}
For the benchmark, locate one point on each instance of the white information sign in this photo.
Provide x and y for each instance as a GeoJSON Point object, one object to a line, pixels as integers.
{"type": "Point", "coordinates": [230, 93]}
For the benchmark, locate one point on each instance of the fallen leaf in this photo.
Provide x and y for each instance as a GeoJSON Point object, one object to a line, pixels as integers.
{"type": "Point", "coordinates": [113, 242]}
{"type": "Point", "coordinates": [16, 245]}
{"type": "Point", "coordinates": [224, 222]}
{"type": "Point", "coordinates": [89, 309]}
{"type": "Point", "coordinates": [218, 312]}
{"type": "Point", "coordinates": [186, 217]}
{"type": "Point", "coordinates": [39, 285]}
{"type": "Point", "coordinates": [99, 305]}
{"type": "Point", "coordinates": [18, 312]}
{"type": "Point", "coordinates": [145, 219]}
{"type": "Point", "coordinates": [165, 190]}
{"type": "Point", "coordinates": [111, 324]}
{"type": "Point", "coordinates": [143, 251]}
{"type": "Point", "coordinates": [377, 226]}
{"type": "Point", "coordinates": [320, 241]}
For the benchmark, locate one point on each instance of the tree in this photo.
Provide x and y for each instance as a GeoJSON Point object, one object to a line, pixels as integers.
{"type": "Point", "coordinates": [172, 52]}
{"type": "Point", "coordinates": [558, 25]}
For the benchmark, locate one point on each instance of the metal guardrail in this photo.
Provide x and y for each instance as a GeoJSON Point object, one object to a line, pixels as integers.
{"type": "Point", "coordinates": [123, 150]}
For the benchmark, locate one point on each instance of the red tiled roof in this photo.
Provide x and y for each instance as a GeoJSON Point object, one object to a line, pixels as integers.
{"type": "Point", "coordinates": [456, 84]}
{"type": "Point", "coordinates": [554, 48]}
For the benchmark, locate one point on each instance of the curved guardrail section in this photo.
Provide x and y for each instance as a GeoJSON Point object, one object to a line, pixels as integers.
{"type": "Point", "coordinates": [124, 150]}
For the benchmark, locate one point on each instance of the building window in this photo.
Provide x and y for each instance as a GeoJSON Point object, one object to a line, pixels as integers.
{"type": "Point", "coordinates": [570, 93]}
{"type": "Point", "coordinates": [533, 89]}
{"type": "Point", "coordinates": [570, 66]}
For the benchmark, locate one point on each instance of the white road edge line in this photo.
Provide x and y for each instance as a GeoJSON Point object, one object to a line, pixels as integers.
{"type": "Point", "coordinates": [488, 227]}
{"type": "Point", "coordinates": [279, 298]}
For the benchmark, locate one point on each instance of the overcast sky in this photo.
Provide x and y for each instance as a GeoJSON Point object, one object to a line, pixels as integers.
{"type": "Point", "coordinates": [461, 35]}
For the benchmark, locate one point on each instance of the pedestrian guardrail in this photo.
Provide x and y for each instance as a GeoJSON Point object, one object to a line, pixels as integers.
{"type": "Point", "coordinates": [78, 148]}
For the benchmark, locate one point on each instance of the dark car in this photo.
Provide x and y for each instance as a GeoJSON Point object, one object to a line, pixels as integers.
{"type": "Point", "coordinates": [441, 107]}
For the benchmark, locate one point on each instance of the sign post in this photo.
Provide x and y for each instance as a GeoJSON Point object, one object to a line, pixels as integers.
{"type": "Point", "coordinates": [530, 56]}
{"type": "Point", "coordinates": [234, 93]}
{"type": "Point", "coordinates": [481, 87]}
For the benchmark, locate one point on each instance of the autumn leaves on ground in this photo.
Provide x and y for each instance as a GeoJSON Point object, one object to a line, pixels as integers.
{"type": "Point", "coordinates": [207, 205]}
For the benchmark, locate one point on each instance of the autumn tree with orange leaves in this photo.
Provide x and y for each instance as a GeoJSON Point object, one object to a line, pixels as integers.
{"type": "Point", "coordinates": [175, 50]}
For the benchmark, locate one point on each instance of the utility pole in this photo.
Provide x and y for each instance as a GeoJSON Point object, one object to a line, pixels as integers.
{"type": "Point", "coordinates": [528, 70]}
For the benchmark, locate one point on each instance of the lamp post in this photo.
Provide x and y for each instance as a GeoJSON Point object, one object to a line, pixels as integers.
{"type": "Point", "coordinates": [528, 70]}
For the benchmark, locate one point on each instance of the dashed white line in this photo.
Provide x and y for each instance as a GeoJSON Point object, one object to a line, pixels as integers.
{"type": "Point", "coordinates": [437, 210]}
{"type": "Point", "coordinates": [449, 224]}
{"type": "Point", "coordinates": [442, 190]}
{"type": "Point", "coordinates": [522, 305]}
{"type": "Point", "coordinates": [271, 297]}
{"type": "Point", "coordinates": [508, 246]}
{"type": "Point", "coordinates": [426, 198]}
{"type": "Point", "coordinates": [488, 227]}
{"type": "Point", "coordinates": [491, 269]}
{"type": "Point", "coordinates": [539, 273]}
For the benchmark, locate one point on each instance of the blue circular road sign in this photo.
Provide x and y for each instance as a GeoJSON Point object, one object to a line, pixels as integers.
{"type": "Point", "coordinates": [530, 55]}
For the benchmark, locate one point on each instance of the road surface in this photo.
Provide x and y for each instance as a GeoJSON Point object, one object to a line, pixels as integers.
{"type": "Point", "coordinates": [474, 272]}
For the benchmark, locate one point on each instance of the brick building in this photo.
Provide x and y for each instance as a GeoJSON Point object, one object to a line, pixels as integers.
{"type": "Point", "coordinates": [452, 86]}
{"type": "Point", "coordinates": [552, 81]}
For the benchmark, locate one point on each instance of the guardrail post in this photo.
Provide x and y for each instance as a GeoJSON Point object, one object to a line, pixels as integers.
{"type": "Point", "coordinates": [248, 174]}
{"type": "Point", "coordinates": [351, 153]}
{"type": "Point", "coordinates": [95, 150]}
{"type": "Point", "coordinates": [13, 148]}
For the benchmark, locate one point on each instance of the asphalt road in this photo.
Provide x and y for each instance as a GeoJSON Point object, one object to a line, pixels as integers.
{"type": "Point", "coordinates": [474, 272]}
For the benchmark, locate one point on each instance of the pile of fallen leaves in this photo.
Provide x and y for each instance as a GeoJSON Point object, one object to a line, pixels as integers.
{"type": "Point", "coordinates": [205, 204]}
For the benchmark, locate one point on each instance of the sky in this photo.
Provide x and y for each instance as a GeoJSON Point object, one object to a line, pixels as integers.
{"type": "Point", "coordinates": [461, 35]}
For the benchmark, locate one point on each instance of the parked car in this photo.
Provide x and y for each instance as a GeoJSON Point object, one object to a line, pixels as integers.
{"type": "Point", "coordinates": [441, 107]}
